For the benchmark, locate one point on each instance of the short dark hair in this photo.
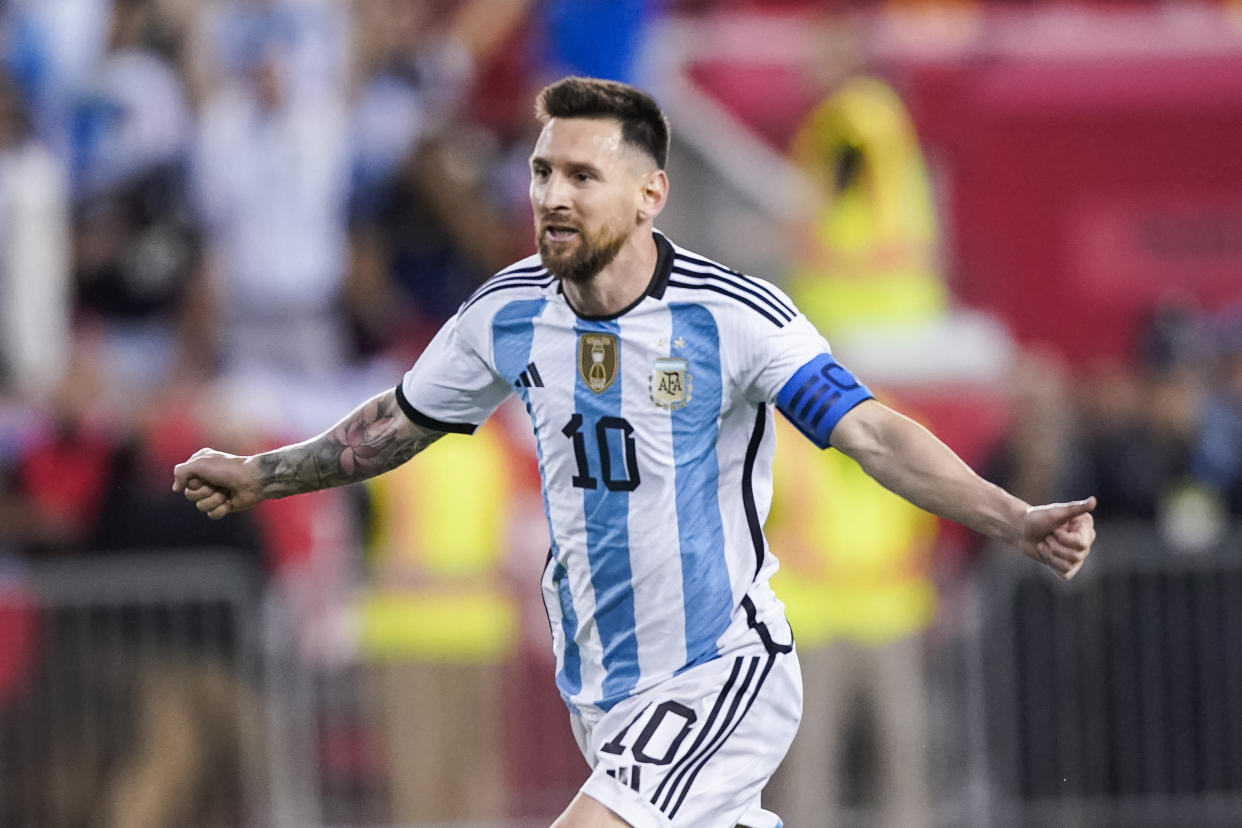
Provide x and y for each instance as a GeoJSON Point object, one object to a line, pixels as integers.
{"type": "Point", "coordinates": [643, 124]}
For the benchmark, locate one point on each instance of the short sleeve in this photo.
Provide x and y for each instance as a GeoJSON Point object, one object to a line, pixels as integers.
{"type": "Point", "coordinates": [452, 387]}
{"type": "Point", "coordinates": [792, 366]}
{"type": "Point", "coordinates": [775, 354]}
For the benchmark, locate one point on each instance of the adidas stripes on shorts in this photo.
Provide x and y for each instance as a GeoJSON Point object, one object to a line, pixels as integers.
{"type": "Point", "coordinates": [696, 750]}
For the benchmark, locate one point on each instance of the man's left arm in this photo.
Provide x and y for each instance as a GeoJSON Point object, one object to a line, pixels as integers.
{"type": "Point", "coordinates": [909, 460]}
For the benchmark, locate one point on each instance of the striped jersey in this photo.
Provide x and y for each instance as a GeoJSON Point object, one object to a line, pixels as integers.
{"type": "Point", "coordinates": [654, 438]}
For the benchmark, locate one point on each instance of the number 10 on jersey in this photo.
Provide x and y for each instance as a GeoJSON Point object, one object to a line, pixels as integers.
{"type": "Point", "coordinates": [613, 439]}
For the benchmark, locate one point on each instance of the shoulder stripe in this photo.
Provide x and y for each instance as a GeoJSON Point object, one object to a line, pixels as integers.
{"type": "Point", "coordinates": [497, 283]}
{"type": "Point", "coordinates": [778, 308]}
{"type": "Point", "coordinates": [695, 260]}
{"type": "Point", "coordinates": [732, 295]}
{"type": "Point", "coordinates": [514, 270]}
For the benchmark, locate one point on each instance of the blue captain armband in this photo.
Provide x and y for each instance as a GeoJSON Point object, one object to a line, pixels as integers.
{"type": "Point", "coordinates": [818, 396]}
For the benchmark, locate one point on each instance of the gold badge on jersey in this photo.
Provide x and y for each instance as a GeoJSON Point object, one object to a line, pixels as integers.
{"type": "Point", "coordinates": [597, 360]}
{"type": "Point", "coordinates": [669, 383]}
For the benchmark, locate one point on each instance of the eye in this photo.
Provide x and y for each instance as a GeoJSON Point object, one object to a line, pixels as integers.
{"type": "Point", "coordinates": [539, 171]}
{"type": "Point", "coordinates": [583, 177]}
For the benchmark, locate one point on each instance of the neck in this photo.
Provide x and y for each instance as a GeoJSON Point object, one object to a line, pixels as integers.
{"type": "Point", "coordinates": [621, 283]}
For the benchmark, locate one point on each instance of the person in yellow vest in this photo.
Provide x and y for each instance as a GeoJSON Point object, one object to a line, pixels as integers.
{"type": "Point", "coordinates": [855, 558]}
{"type": "Point", "coordinates": [438, 623]}
{"type": "Point", "coordinates": [868, 255]}
{"type": "Point", "coordinates": [855, 579]}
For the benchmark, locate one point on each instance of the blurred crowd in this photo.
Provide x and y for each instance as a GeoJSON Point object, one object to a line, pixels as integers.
{"type": "Point", "coordinates": [1157, 439]}
{"type": "Point", "coordinates": [228, 222]}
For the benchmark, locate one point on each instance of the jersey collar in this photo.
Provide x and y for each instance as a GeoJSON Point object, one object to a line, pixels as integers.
{"type": "Point", "coordinates": [655, 288]}
{"type": "Point", "coordinates": [663, 268]}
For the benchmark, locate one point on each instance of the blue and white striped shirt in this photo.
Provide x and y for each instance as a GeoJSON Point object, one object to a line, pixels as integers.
{"type": "Point", "coordinates": [654, 437]}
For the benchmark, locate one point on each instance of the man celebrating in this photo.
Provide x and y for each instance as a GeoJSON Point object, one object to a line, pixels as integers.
{"type": "Point", "coordinates": [649, 374]}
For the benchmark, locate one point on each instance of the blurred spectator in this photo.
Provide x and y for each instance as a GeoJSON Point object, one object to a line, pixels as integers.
{"type": "Point", "coordinates": [1217, 458]}
{"type": "Point", "coordinates": [138, 264]}
{"type": "Point", "coordinates": [53, 48]}
{"type": "Point", "coordinates": [1140, 439]}
{"type": "Point", "coordinates": [440, 621]}
{"type": "Point", "coordinates": [34, 265]}
{"type": "Point", "coordinates": [58, 474]}
{"type": "Point", "coordinates": [230, 34]}
{"type": "Point", "coordinates": [132, 115]}
{"type": "Point", "coordinates": [271, 179]}
{"type": "Point", "coordinates": [426, 225]}
{"type": "Point", "coordinates": [1156, 440]}
{"type": "Point", "coordinates": [855, 577]}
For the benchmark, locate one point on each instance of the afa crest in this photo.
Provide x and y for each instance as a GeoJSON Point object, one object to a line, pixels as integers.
{"type": "Point", "coordinates": [597, 360]}
{"type": "Point", "coordinates": [669, 383]}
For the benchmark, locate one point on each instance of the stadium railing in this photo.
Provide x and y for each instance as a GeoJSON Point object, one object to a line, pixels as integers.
{"type": "Point", "coordinates": [1111, 699]}
{"type": "Point", "coordinates": [133, 692]}
{"type": "Point", "coordinates": [178, 685]}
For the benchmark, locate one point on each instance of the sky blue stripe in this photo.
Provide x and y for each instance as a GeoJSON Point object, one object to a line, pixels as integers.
{"type": "Point", "coordinates": [569, 677]}
{"type": "Point", "coordinates": [607, 531]}
{"type": "Point", "coordinates": [704, 571]}
{"type": "Point", "coordinates": [513, 332]}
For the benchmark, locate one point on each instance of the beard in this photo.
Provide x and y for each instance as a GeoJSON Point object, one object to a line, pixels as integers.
{"type": "Point", "coordinates": [584, 261]}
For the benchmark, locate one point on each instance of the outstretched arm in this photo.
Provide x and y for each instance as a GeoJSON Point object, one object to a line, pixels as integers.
{"type": "Point", "coordinates": [909, 460]}
{"type": "Point", "coordinates": [376, 437]}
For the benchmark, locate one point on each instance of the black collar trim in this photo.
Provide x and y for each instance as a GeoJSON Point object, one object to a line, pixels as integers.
{"type": "Point", "coordinates": [655, 289]}
{"type": "Point", "coordinates": [663, 268]}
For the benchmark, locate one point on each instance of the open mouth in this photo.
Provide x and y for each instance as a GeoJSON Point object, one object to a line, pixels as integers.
{"type": "Point", "coordinates": [559, 233]}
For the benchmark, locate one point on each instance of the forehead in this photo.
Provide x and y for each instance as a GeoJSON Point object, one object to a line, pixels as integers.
{"type": "Point", "coordinates": [574, 139]}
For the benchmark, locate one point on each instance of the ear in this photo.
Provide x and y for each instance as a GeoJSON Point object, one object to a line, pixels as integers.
{"type": "Point", "coordinates": [652, 195]}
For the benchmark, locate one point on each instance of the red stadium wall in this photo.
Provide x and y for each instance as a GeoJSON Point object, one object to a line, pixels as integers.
{"type": "Point", "coordinates": [1083, 192]}
{"type": "Point", "coordinates": [1090, 159]}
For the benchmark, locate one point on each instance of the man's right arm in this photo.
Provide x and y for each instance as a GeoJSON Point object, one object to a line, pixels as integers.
{"type": "Point", "coordinates": [374, 438]}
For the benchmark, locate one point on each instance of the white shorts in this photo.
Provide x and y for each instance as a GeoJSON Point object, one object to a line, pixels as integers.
{"type": "Point", "coordinates": [697, 749]}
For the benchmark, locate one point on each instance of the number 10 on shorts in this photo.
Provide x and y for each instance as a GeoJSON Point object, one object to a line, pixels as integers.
{"type": "Point", "coordinates": [658, 742]}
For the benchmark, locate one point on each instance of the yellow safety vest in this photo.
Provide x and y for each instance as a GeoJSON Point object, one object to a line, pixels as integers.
{"type": "Point", "coordinates": [854, 556]}
{"type": "Point", "coordinates": [439, 527]}
{"type": "Point", "coordinates": [868, 254]}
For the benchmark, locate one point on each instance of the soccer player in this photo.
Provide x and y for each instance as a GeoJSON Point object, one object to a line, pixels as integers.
{"type": "Point", "coordinates": [650, 374]}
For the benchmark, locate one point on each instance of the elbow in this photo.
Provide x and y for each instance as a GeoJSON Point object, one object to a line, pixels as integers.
{"type": "Point", "coordinates": [864, 433]}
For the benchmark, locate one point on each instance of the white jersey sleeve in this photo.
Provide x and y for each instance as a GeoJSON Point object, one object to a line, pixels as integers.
{"type": "Point", "coordinates": [456, 383]}
{"type": "Point", "coordinates": [792, 366]}
{"type": "Point", "coordinates": [454, 386]}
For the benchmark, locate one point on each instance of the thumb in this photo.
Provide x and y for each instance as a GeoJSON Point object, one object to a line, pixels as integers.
{"type": "Point", "coordinates": [1061, 512]}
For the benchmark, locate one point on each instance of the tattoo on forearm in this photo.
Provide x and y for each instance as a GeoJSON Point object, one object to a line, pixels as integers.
{"type": "Point", "coordinates": [366, 443]}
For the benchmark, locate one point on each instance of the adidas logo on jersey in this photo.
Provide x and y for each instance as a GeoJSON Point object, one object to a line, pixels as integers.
{"type": "Point", "coordinates": [529, 378]}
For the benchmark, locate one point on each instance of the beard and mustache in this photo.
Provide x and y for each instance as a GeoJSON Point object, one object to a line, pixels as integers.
{"type": "Point", "coordinates": [582, 262]}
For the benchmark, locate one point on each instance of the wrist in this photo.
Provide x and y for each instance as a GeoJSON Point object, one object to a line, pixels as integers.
{"type": "Point", "coordinates": [280, 473]}
{"type": "Point", "coordinates": [1011, 513]}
